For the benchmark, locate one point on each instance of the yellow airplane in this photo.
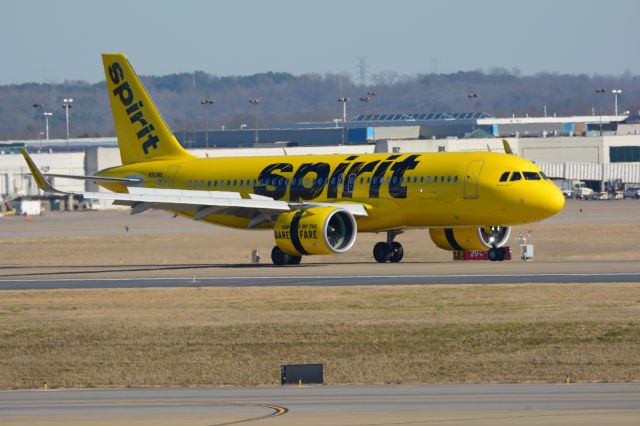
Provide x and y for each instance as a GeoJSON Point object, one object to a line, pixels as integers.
{"type": "Point", "coordinates": [316, 204]}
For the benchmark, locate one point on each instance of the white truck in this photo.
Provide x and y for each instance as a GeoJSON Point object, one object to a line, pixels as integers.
{"type": "Point", "coordinates": [632, 192]}
{"type": "Point", "coordinates": [581, 191]}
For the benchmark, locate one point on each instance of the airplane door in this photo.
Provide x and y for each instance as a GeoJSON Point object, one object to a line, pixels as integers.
{"type": "Point", "coordinates": [471, 179]}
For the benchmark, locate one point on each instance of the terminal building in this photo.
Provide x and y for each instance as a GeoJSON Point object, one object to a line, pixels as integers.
{"type": "Point", "coordinates": [594, 149]}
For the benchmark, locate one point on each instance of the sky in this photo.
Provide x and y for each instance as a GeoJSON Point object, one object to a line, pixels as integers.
{"type": "Point", "coordinates": [54, 41]}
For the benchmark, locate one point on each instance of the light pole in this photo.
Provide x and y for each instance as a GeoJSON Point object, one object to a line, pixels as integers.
{"type": "Point", "coordinates": [255, 102]}
{"type": "Point", "coordinates": [365, 100]}
{"type": "Point", "coordinates": [46, 123]}
{"type": "Point", "coordinates": [344, 100]}
{"type": "Point", "coordinates": [615, 92]}
{"type": "Point", "coordinates": [601, 91]}
{"type": "Point", "coordinates": [206, 102]}
{"type": "Point", "coordinates": [66, 104]}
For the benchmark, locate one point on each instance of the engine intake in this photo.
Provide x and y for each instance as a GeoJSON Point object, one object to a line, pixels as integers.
{"type": "Point", "coordinates": [481, 238]}
{"type": "Point", "coordinates": [318, 230]}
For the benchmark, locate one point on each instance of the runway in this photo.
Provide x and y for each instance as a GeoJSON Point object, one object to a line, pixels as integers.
{"type": "Point", "coordinates": [495, 404]}
{"type": "Point", "coordinates": [327, 281]}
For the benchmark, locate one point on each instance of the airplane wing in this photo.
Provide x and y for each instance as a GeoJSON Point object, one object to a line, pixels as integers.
{"type": "Point", "coordinates": [96, 179]}
{"type": "Point", "coordinates": [258, 208]}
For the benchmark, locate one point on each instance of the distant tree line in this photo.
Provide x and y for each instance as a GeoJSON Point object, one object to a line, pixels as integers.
{"type": "Point", "coordinates": [286, 98]}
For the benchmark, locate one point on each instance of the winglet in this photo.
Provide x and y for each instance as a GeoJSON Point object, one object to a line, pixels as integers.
{"type": "Point", "coordinates": [42, 182]}
{"type": "Point", "coordinates": [507, 147]}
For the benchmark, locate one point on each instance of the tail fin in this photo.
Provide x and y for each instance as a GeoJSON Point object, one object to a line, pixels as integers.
{"type": "Point", "coordinates": [142, 133]}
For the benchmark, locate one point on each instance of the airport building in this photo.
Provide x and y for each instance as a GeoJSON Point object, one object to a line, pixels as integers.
{"type": "Point", "coordinates": [593, 149]}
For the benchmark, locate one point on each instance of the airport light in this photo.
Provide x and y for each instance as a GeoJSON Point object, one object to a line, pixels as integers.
{"type": "Point", "coordinates": [255, 102]}
{"type": "Point", "coordinates": [615, 92]}
{"type": "Point", "coordinates": [46, 123]}
{"type": "Point", "coordinates": [601, 91]}
{"type": "Point", "coordinates": [206, 103]}
{"type": "Point", "coordinates": [365, 100]}
{"type": "Point", "coordinates": [66, 104]}
{"type": "Point", "coordinates": [344, 100]}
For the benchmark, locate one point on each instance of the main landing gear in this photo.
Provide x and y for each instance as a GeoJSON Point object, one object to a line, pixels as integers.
{"type": "Point", "coordinates": [391, 251]}
{"type": "Point", "coordinates": [280, 258]}
{"type": "Point", "coordinates": [496, 254]}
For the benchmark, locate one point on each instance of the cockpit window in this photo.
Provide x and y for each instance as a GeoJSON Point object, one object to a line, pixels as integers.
{"type": "Point", "coordinates": [531, 176]}
{"type": "Point", "coordinates": [516, 176]}
{"type": "Point", "coordinates": [504, 177]}
{"type": "Point", "coordinates": [544, 176]}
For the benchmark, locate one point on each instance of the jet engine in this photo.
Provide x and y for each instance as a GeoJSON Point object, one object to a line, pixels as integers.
{"type": "Point", "coordinates": [317, 230]}
{"type": "Point", "coordinates": [481, 238]}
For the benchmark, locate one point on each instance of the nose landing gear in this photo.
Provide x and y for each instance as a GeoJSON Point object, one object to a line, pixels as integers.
{"type": "Point", "coordinates": [389, 251]}
{"type": "Point", "coordinates": [496, 254]}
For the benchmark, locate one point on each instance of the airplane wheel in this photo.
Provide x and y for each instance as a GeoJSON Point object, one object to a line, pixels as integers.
{"type": "Point", "coordinates": [493, 254]}
{"type": "Point", "coordinates": [294, 260]}
{"type": "Point", "coordinates": [397, 253]}
{"type": "Point", "coordinates": [278, 257]}
{"type": "Point", "coordinates": [501, 254]}
{"type": "Point", "coordinates": [382, 252]}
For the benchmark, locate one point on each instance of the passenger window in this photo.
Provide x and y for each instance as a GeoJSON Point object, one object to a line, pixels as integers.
{"type": "Point", "coordinates": [531, 176]}
{"type": "Point", "coordinates": [189, 184]}
{"type": "Point", "coordinates": [221, 183]}
{"type": "Point", "coordinates": [428, 179]}
{"type": "Point", "coordinates": [516, 176]}
{"type": "Point", "coordinates": [215, 183]}
{"type": "Point", "coordinates": [504, 177]}
{"type": "Point", "coordinates": [448, 179]}
{"type": "Point", "coordinates": [361, 180]}
{"type": "Point", "coordinates": [209, 183]}
{"type": "Point", "coordinates": [455, 179]}
{"type": "Point", "coordinates": [441, 179]}
{"type": "Point", "coordinates": [421, 179]}
{"type": "Point", "coordinates": [202, 184]}
{"type": "Point", "coordinates": [235, 182]}
{"type": "Point", "coordinates": [229, 182]}
{"type": "Point", "coordinates": [241, 182]}
{"type": "Point", "coordinates": [435, 179]}
{"type": "Point", "coordinates": [368, 181]}
{"type": "Point", "coordinates": [408, 179]}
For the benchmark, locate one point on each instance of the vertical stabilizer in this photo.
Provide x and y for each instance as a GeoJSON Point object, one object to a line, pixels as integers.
{"type": "Point", "coordinates": [142, 133]}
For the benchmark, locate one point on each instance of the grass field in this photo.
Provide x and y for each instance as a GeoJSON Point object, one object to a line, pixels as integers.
{"type": "Point", "coordinates": [388, 334]}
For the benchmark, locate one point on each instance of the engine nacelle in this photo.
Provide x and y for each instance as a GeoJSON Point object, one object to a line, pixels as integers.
{"type": "Point", "coordinates": [318, 230]}
{"type": "Point", "coordinates": [470, 238]}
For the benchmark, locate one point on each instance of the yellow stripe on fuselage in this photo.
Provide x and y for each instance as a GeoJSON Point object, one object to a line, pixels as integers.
{"type": "Point", "coordinates": [400, 190]}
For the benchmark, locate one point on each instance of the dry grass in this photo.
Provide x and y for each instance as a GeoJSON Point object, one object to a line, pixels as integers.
{"type": "Point", "coordinates": [406, 334]}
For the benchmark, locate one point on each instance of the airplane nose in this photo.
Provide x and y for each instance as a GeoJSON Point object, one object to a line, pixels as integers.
{"type": "Point", "coordinates": [556, 202]}
{"type": "Point", "coordinates": [543, 203]}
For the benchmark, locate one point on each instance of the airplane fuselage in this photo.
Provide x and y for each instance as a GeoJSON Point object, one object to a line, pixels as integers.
{"type": "Point", "coordinates": [399, 190]}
